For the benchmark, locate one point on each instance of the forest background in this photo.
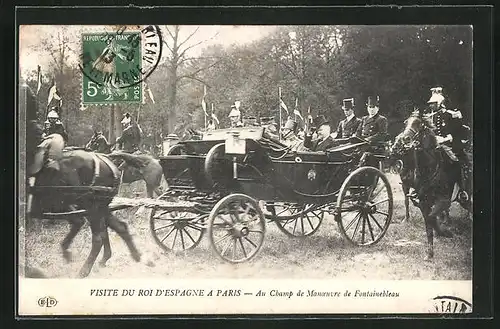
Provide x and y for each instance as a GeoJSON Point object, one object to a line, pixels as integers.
{"type": "Point", "coordinates": [316, 67]}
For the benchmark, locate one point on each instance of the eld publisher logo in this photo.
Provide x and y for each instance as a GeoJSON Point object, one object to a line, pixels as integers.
{"type": "Point", "coordinates": [47, 302]}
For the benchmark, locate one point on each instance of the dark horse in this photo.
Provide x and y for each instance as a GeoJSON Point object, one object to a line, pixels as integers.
{"type": "Point", "coordinates": [428, 169]}
{"type": "Point", "coordinates": [138, 166]}
{"type": "Point", "coordinates": [84, 186]}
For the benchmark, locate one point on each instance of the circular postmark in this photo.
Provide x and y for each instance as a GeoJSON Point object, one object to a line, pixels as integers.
{"type": "Point", "coordinates": [123, 58]}
{"type": "Point", "coordinates": [450, 304]}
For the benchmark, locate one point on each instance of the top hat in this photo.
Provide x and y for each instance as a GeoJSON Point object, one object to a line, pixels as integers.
{"type": "Point", "coordinates": [373, 101]}
{"type": "Point", "coordinates": [437, 95]}
{"type": "Point", "coordinates": [348, 104]}
{"type": "Point", "coordinates": [320, 120]}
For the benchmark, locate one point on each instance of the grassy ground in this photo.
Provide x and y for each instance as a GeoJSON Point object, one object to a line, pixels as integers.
{"type": "Point", "coordinates": [326, 254]}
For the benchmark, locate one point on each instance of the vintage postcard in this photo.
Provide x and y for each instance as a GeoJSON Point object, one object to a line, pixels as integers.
{"type": "Point", "coordinates": [237, 169]}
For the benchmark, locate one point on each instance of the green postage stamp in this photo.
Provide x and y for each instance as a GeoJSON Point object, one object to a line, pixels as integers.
{"type": "Point", "coordinates": [112, 64]}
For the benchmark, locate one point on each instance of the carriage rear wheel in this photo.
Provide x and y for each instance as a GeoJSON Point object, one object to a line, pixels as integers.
{"type": "Point", "coordinates": [236, 227]}
{"type": "Point", "coordinates": [364, 206]}
{"type": "Point", "coordinates": [296, 220]}
{"type": "Point", "coordinates": [176, 230]}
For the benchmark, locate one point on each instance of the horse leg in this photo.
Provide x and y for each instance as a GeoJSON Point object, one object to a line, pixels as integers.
{"type": "Point", "coordinates": [441, 207]}
{"type": "Point", "coordinates": [429, 232]}
{"type": "Point", "coordinates": [406, 190]}
{"type": "Point", "coordinates": [122, 229]}
{"type": "Point", "coordinates": [98, 228]}
{"type": "Point", "coordinates": [76, 226]}
{"type": "Point", "coordinates": [107, 246]}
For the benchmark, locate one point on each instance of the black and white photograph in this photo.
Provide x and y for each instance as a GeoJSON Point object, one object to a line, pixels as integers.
{"type": "Point", "coordinates": [245, 169]}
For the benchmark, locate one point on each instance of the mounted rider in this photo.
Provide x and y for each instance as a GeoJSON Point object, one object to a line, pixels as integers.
{"type": "Point", "coordinates": [449, 130]}
{"type": "Point", "coordinates": [49, 151]}
{"type": "Point", "coordinates": [98, 143]}
{"type": "Point", "coordinates": [131, 137]}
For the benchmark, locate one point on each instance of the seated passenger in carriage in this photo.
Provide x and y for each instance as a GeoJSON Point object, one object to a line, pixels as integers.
{"type": "Point", "coordinates": [98, 143]}
{"type": "Point", "coordinates": [373, 127]}
{"type": "Point", "coordinates": [348, 127]}
{"type": "Point", "coordinates": [323, 131]}
{"type": "Point", "coordinates": [289, 136]}
{"type": "Point", "coordinates": [53, 142]}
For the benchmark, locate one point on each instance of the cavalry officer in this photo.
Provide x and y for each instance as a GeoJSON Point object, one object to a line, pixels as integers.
{"type": "Point", "coordinates": [51, 147]}
{"type": "Point", "coordinates": [98, 143]}
{"type": "Point", "coordinates": [373, 127]}
{"type": "Point", "coordinates": [448, 129]}
{"type": "Point", "coordinates": [324, 140]}
{"type": "Point", "coordinates": [131, 136]}
{"type": "Point", "coordinates": [348, 127]}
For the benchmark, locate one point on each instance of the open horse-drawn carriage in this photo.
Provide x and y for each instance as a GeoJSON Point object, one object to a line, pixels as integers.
{"type": "Point", "coordinates": [234, 180]}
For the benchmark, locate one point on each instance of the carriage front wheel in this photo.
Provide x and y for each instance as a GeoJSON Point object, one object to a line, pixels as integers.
{"type": "Point", "coordinates": [364, 206]}
{"type": "Point", "coordinates": [236, 227]}
{"type": "Point", "coordinates": [176, 230]}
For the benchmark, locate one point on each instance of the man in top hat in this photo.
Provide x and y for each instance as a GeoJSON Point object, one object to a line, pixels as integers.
{"type": "Point", "coordinates": [348, 127]}
{"type": "Point", "coordinates": [235, 116]}
{"type": "Point", "coordinates": [131, 136]}
{"type": "Point", "coordinates": [323, 130]}
{"type": "Point", "coordinates": [373, 127]}
{"type": "Point", "coordinates": [448, 130]}
{"type": "Point", "coordinates": [54, 140]}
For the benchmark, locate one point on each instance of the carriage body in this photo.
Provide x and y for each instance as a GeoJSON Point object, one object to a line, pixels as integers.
{"type": "Point", "coordinates": [243, 160]}
{"type": "Point", "coordinates": [239, 178]}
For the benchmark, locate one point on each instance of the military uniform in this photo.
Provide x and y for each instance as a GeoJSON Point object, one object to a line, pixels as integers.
{"type": "Point", "coordinates": [130, 139]}
{"type": "Point", "coordinates": [98, 144]}
{"type": "Point", "coordinates": [373, 129]}
{"type": "Point", "coordinates": [347, 128]}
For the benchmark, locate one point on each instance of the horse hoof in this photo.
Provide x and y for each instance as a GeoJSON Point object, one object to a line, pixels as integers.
{"type": "Point", "coordinates": [102, 263]}
{"type": "Point", "coordinates": [68, 257]}
{"type": "Point", "coordinates": [83, 274]}
{"type": "Point", "coordinates": [136, 256]}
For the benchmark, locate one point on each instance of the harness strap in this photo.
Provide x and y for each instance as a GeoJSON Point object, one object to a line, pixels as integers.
{"type": "Point", "coordinates": [97, 168]}
{"type": "Point", "coordinates": [111, 166]}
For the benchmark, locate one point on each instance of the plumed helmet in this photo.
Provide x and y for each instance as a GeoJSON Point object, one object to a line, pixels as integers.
{"type": "Point", "coordinates": [52, 115]}
{"type": "Point", "coordinates": [436, 96]}
{"type": "Point", "coordinates": [348, 104]}
{"type": "Point", "coordinates": [126, 119]}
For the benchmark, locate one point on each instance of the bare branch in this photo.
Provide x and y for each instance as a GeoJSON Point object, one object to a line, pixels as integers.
{"type": "Point", "coordinates": [168, 30]}
{"type": "Point", "coordinates": [189, 37]}
{"type": "Point", "coordinates": [166, 44]}
{"type": "Point", "coordinates": [196, 44]}
{"type": "Point", "coordinates": [192, 74]}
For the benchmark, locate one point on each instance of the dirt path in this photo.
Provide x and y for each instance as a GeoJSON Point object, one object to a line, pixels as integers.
{"type": "Point", "coordinates": [326, 254]}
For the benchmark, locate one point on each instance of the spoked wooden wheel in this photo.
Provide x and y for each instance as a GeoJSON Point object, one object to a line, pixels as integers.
{"type": "Point", "coordinates": [296, 220]}
{"type": "Point", "coordinates": [217, 168]}
{"type": "Point", "coordinates": [364, 206]}
{"type": "Point", "coordinates": [236, 227]}
{"type": "Point", "coordinates": [177, 230]}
